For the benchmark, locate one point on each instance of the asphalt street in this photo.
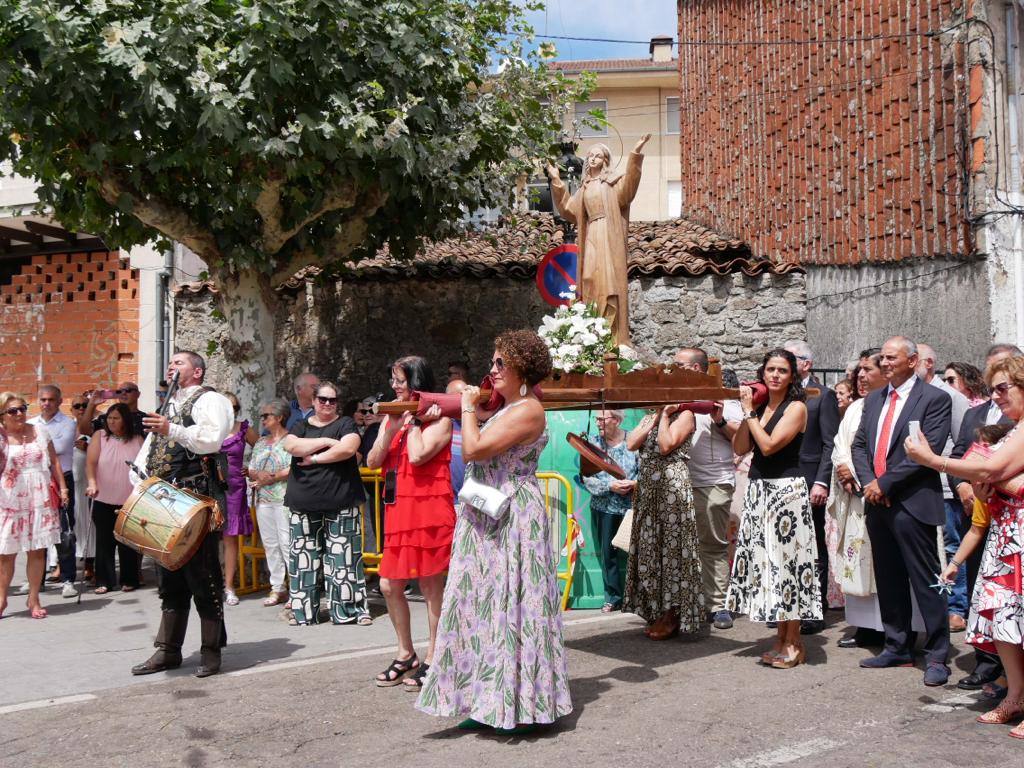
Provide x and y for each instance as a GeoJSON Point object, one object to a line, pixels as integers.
{"type": "Point", "coordinates": [304, 696]}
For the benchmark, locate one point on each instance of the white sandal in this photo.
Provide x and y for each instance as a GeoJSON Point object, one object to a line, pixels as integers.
{"type": "Point", "coordinates": [230, 597]}
{"type": "Point", "coordinates": [275, 598]}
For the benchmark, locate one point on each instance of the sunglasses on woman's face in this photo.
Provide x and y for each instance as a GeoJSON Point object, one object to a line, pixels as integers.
{"type": "Point", "coordinates": [1000, 389]}
{"type": "Point", "coordinates": [78, 406]}
{"type": "Point", "coordinates": [326, 400]}
{"type": "Point", "coordinates": [951, 380]}
{"type": "Point", "coordinates": [365, 411]}
{"type": "Point", "coordinates": [498, 364]}
{"type": "Point", "coordinates": [266, 415]}
{"type": "Point", "coordinates": [16, 409]}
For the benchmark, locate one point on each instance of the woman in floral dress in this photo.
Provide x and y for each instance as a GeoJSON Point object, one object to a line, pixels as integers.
{"type": "Point", "coordinates": [774, 574]}
{"type": "Point", "coordinates": [996, 621]}
{"type": "Point", "coordinates": [29, 518]}
{"type": "Point", "coordinates": [663, 581]}
{"type": "Point", "coordinates": [499, 658]}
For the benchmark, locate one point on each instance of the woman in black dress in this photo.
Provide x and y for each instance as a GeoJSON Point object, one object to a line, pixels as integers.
{"type": "Point", "coordinates": [773, 573]}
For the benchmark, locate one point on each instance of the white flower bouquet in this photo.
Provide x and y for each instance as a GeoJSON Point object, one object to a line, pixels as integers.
{"type": "Point", "coordinates": [579, 339]}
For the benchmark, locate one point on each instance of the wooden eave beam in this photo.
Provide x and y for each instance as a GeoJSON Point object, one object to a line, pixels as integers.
{"type": "Point", "coordinates": [48, 230]}
{"type": "Point", "coordinates": [20, 236]}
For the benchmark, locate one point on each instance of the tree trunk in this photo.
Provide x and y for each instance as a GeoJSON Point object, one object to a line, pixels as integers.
{"type": "Point", "coordinates": [248, 304]}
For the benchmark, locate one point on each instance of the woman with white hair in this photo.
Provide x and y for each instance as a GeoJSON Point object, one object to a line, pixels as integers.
{"type": "Point", "coordinates": [609, 500]}
{"type": "Point", "coordinates": [268, 470]}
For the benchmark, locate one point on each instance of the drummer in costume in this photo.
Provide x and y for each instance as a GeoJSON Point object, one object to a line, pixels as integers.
{"type": "Point", "coordinates": [180, 449]}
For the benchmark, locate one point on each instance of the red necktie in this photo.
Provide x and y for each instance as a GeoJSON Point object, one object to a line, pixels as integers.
{"type": "Point", "coordinates": [882, 447]}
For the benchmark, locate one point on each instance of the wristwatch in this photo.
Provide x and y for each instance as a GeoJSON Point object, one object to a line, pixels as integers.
{"type": "Point", "coordinates": [750, 415]}
{"type": "Point", "coordinates": [416, 422]}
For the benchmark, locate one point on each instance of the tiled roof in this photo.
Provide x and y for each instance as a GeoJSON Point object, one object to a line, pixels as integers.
{"type": "Point", "coordinates": [613, 65]}
{"type": "Point", "coordinates": [673, 247]}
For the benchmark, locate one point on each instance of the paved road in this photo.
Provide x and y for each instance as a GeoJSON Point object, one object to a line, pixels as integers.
{"type": "Point", "coordinates": [303, 696]}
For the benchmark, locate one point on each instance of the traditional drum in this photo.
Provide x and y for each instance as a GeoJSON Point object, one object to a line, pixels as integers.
{"type": "Point", "coordinates": [166, 522]}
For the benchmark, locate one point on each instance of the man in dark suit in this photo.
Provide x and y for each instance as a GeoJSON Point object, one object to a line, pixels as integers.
{"type": "Point", "coordinates": [816, 461]}
{"type": "Point", "coordinates": [904, 507]}
{"type": "Point", "coordinates": [987, 667]}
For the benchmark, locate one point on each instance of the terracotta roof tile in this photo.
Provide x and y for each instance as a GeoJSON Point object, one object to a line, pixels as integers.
{"type": "Point", "coordinates": [673, 247]}
{"type": "Point", "coordinates": [613, 65]}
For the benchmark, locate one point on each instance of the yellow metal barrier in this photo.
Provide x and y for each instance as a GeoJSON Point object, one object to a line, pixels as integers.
{"type": "Point", "coordinates": [250, 549]}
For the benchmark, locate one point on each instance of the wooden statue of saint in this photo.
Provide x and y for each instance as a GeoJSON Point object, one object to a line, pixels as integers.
{"type": "Point", "coordinates": [600, 211]}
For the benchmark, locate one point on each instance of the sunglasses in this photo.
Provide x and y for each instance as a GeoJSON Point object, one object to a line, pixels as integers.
{"type": "Point", "coordinates": [365, 411]}
{"type": "Point", "coordinates": [326, 400]}
{"type": "Point", "coordinates": [1000, 389]}
{"type": "Point", "coordinates": [498, 364]}
{"type": "Point", "coordinates": [15, 410]}
{"type": "Point", "coordinates": [78, 406]}
{"type": "Point", "coordinates": [267, 415]}
{"type": "Point", "coordinates": [125, 391]}
{"type": "Point", "coordinates": [950, 380]}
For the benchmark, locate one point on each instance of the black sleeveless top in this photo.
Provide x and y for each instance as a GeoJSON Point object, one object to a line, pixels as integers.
{"type": "Point", "coordinates": [783, 463]}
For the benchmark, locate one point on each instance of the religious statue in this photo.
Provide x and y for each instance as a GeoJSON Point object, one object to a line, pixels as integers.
{"type": "Point", "coordinates": [600, 211]}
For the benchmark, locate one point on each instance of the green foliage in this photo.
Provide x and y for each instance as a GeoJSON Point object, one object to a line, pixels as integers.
{"type": "Point", "coordinates": [203, 120]}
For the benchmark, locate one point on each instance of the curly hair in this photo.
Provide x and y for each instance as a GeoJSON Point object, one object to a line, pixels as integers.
{"type": "Point", "coordinates": [526, 354]}
{"type": "Point", "coordinates": [1013, 367]}
{"type": "Point", "coordinates": [796, 389]}
{"type": "Point", "coordinates": [972, 378]}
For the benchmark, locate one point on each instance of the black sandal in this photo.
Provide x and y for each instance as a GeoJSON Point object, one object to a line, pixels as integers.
{"type": "Point", "coordinates": [397, 670]}
{"type": "Point", "coordinates": [415, 681]}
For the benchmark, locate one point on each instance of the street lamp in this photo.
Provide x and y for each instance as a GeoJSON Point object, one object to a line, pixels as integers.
{"type": "Point", "coordinates": [570, 167]}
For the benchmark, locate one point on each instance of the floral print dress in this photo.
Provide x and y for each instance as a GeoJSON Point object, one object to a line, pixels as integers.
{"type": "Point", "coordinates": [499, 657]}
{"type": "Point", "coordinates": [28, 518]}
{"type": "Point", "coordinates": [997, 606]}
{"type": "Point", "coordinates": [664, 553]}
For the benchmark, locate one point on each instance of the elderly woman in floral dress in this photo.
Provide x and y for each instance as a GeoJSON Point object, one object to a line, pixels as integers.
{"type": "Point", "coordinates": [499, 658]}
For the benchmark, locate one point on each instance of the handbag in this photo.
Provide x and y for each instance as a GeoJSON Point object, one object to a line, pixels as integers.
{"type": "Point", "coordinates": [486, 499]}
{"type": "Point", "coordinates": [624, 534]}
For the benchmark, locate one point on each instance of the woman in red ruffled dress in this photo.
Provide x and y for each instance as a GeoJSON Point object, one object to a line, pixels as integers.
{"type": "Point", "coordinates": [420, 522]}
{"type": "Point", "coordinates": [996, 622]}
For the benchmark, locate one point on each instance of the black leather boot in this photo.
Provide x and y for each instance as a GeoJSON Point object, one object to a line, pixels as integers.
{"type": "Point", "coordinates": [168, 642]}
{"type": "Point", "coordinates": [213, 639]}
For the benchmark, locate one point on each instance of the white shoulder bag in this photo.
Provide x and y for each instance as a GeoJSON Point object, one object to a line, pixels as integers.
{"type": "Point", "coordinates": [486, 499]}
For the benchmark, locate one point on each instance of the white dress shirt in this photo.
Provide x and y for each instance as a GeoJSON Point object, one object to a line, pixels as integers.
{"type": "Point", "coordinates": [213, 418]}
{"type": "Point", "coordinates": [902, 393]}
{"type": "Point", "coordinates": [62, 429]}
{"type": "Point", "coordinates": [711, 451]}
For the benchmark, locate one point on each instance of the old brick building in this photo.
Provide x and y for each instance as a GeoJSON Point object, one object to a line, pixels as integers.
{"type": "Point", "coordinates": [69, 309]}
{"type": "Point", "coordinates": [877, 144]}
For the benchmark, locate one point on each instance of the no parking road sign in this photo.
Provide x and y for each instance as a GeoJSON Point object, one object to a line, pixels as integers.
{"type": "Point", "coordinates": [556, 274]}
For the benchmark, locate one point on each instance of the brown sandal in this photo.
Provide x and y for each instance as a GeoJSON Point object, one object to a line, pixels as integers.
{"type": "Point", "coordinates": [397, 671]}
{"type": "Point", "coordinates": [1003, 714]}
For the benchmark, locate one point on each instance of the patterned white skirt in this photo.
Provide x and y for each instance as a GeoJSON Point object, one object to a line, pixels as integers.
{"type": "Point", "coordinates": [774, 572]}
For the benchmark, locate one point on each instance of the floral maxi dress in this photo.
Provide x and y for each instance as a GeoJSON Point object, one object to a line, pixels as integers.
{"type": "Point", "coordinates": [499, 657]}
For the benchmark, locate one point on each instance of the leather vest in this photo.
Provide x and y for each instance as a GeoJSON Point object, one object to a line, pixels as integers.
{"type": "Point", "coordinates": [169, 460]}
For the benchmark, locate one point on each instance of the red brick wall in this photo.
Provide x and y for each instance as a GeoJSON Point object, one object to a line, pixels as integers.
{"type": "Point", "coordinates": [828, 153]}
{"type": "Point", "coordinates": [69, 319]}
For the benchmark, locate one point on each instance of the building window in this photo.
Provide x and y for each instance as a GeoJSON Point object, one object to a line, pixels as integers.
{"type": "Point", "coordinates": [583, 117]}
{"type": "Point", "coordinates": [674, 200]}
{"type": "Point", "coordinates": [672, 115]}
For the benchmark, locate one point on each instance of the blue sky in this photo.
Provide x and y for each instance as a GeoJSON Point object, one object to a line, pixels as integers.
{"type": "Point", "coordinates": [619, 19]}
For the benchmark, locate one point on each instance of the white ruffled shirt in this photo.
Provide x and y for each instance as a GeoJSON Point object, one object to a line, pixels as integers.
{"type": "Point", "coordinates": [213, 418]}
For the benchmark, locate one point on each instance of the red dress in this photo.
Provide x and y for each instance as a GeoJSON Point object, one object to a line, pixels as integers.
{"type": "Point", "coordinates": [418, 527]}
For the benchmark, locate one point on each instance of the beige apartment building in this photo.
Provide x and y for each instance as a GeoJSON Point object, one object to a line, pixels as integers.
{"type": "Point", "coordinates": [637, 96]}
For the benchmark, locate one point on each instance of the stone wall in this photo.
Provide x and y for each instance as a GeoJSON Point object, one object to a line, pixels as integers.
{"type": "Point", "coordinates": [351, 331]}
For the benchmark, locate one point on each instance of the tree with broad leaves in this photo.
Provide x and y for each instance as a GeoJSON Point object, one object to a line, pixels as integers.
{"type": "Point", "coordinates": [269, 136]}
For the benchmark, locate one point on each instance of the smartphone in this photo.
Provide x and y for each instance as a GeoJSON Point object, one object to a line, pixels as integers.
{"type": "Point", "coordinates": [390, 486]}
{"type": "Point", "coordinates": [915, 430]}
{"type": "Point", "coordinates": [107, 394]}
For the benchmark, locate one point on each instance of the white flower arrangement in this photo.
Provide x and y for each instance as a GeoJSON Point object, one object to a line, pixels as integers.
{"type": "Point", "coordinates": [578, 339]}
